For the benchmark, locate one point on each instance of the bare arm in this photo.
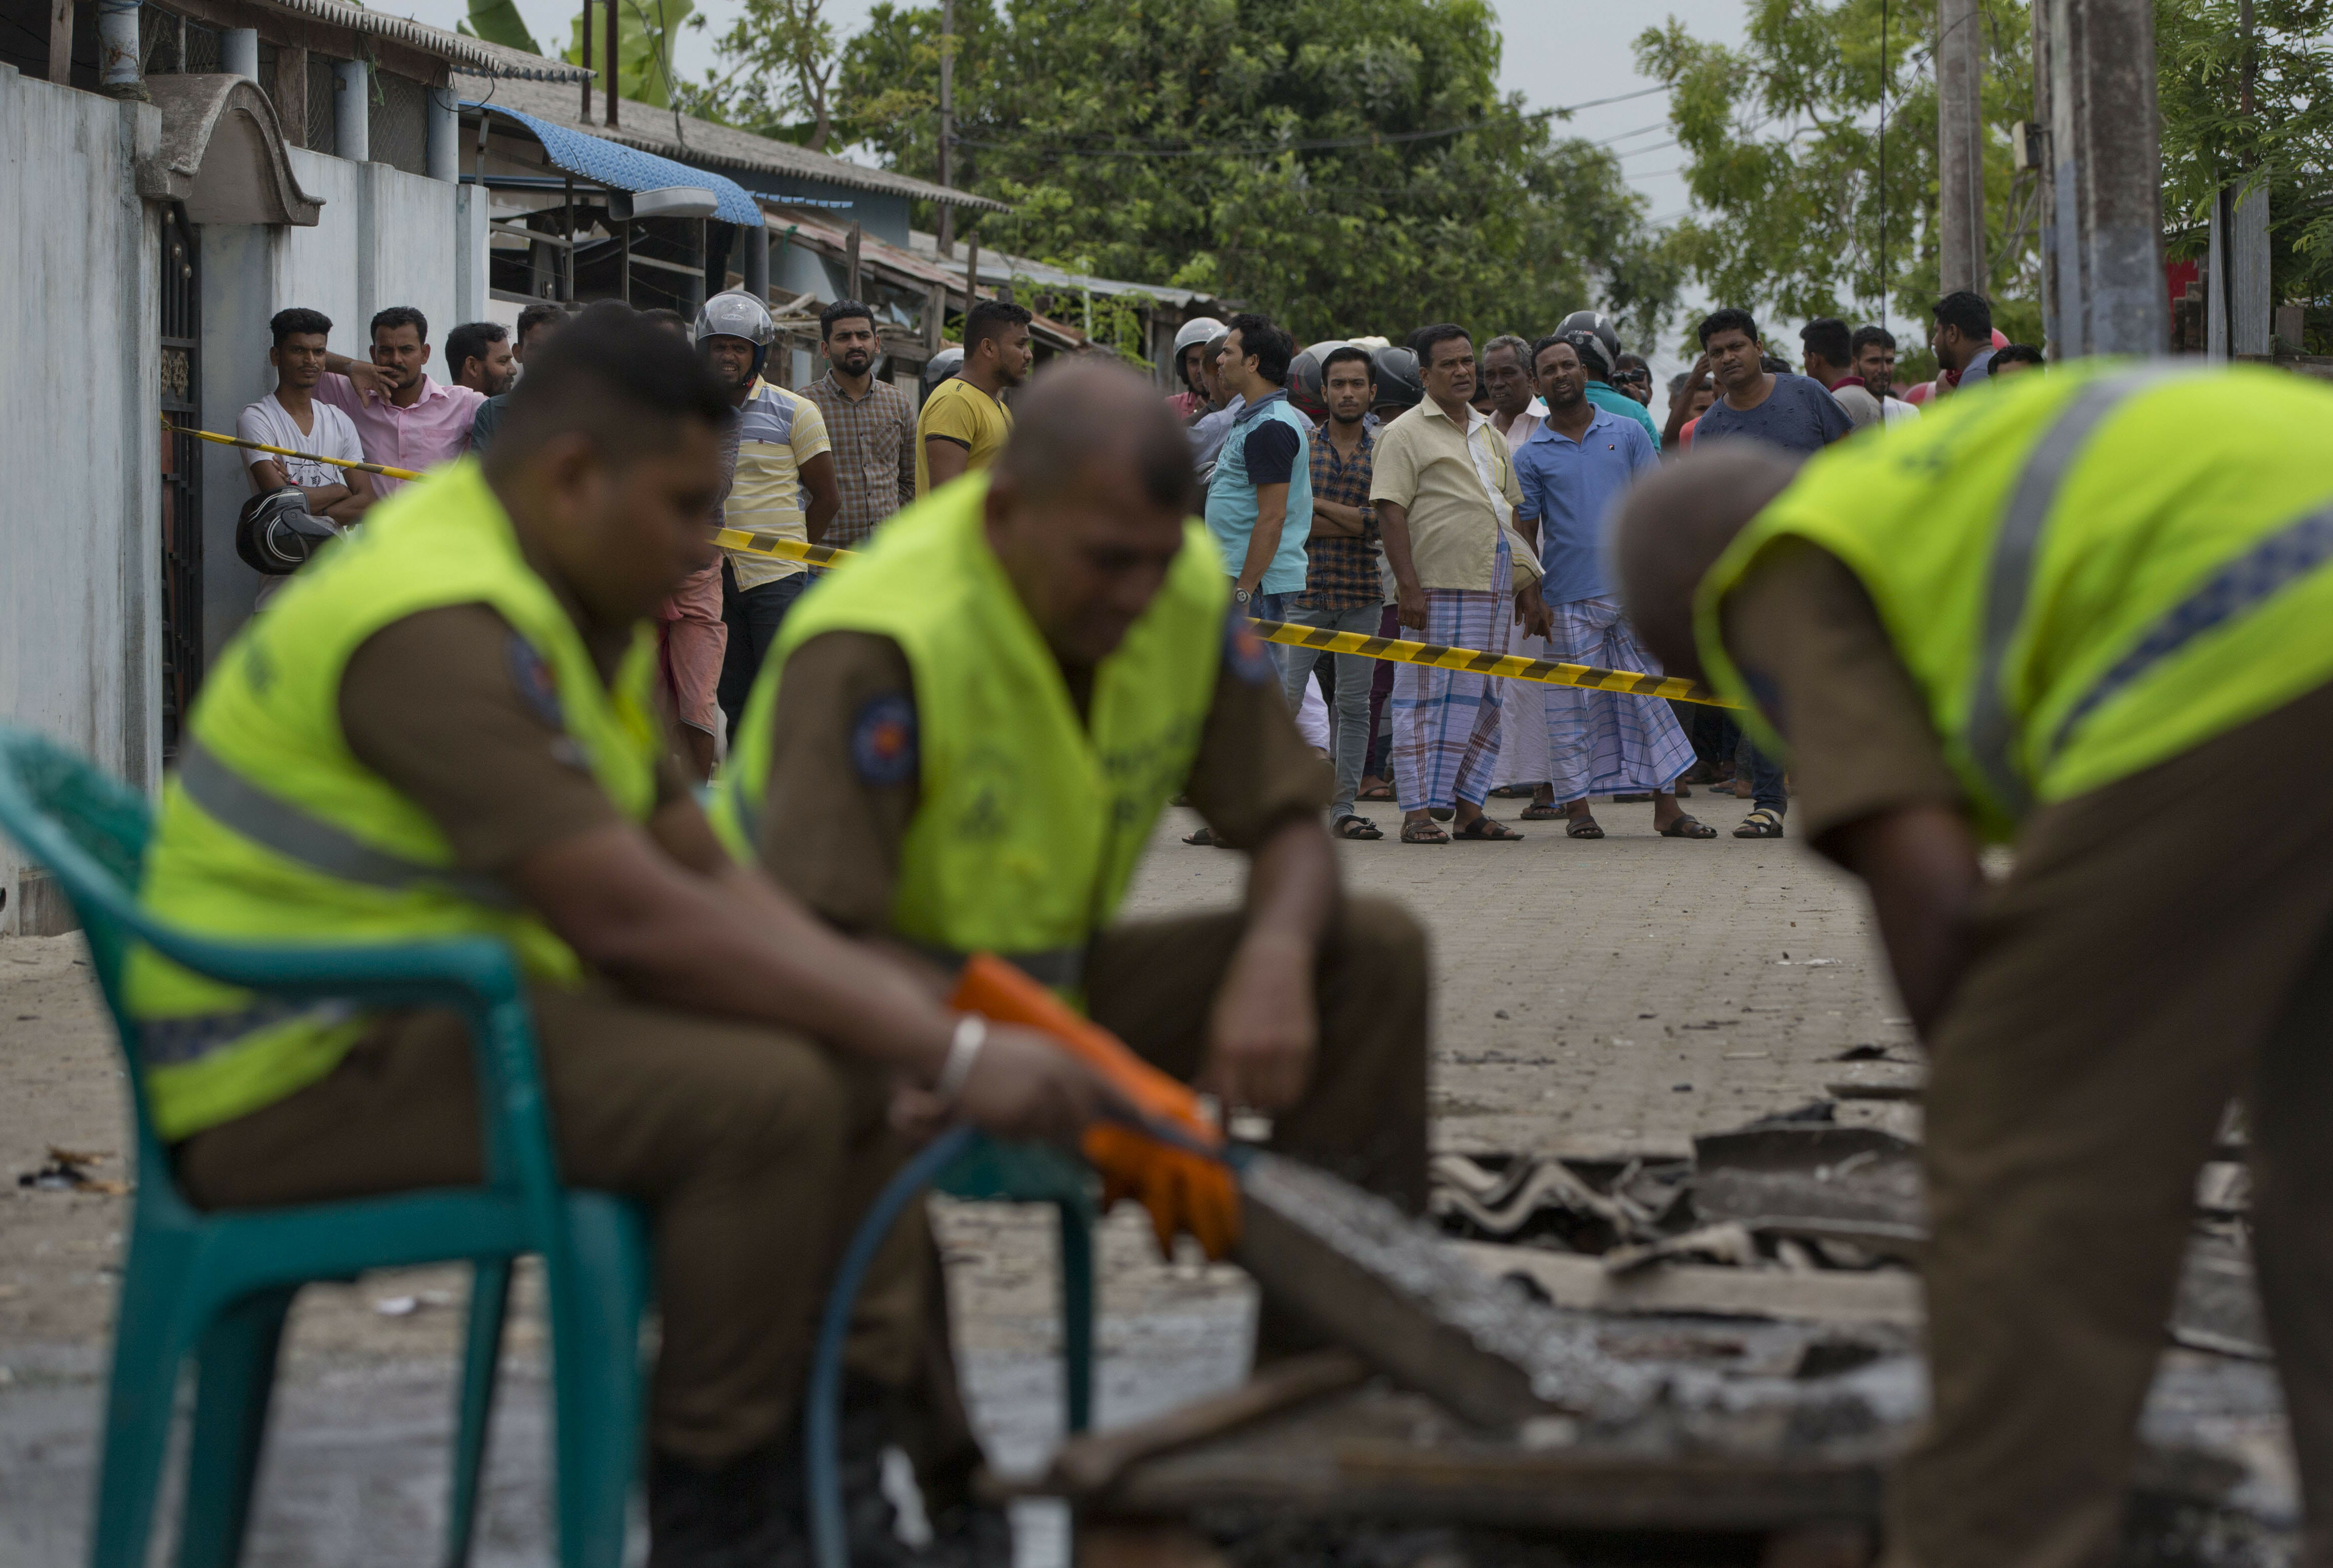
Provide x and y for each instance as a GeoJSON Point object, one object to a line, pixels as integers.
{"type": "Point", "coordinates": [363, 373]}
{"type": "Point", "coordinates": [1338, 520]}
{"type": "Point", "coordinates": [946, 458]}
{"type": "Point", "coordinates": [1920, 862]}
{"type": "Point", "coordinates": [825, 493]}
{"type": "Point", "coordinates": [354, 504]}
{"type": "Point", "coordinates": [1263, 542]}
{"type": "Point", "coordinates": [1393, 527]}
{"type": "Point", "coordinates": [1683, 401]}
{"type": "Point", "coordinates": [1265, 1027]}
{"type": "Point", "coordinates": [268, 474]}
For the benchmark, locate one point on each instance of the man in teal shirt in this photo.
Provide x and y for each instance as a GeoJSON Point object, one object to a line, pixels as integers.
{"type": "Point", "coordinates": [1598, 358]}
{"type": "Point", "coordinates": [1259, 496]}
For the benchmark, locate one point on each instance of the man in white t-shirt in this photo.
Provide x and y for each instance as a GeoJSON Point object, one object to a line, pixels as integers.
{"type": "Point", "coordinates": [291, 417]}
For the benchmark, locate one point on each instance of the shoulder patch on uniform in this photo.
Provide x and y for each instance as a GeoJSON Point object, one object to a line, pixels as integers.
{"type": "Point", "coordinates": [537, 688]}
{"type": "Point", "coordinates": [1246, 654]}
{"type": "Point", "coordinates": [883, 741]}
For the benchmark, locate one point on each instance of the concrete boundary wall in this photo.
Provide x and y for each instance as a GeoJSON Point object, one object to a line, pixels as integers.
{"type": "Point", "coordinates": [79, 443]}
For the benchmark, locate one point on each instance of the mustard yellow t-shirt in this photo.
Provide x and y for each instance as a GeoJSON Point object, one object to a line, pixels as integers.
{"type": "Point", "coordinates": [960, 412]}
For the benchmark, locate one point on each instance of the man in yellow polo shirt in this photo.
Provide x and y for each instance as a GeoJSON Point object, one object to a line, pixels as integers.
{"type": "Point", "coordinates": [963, 423]}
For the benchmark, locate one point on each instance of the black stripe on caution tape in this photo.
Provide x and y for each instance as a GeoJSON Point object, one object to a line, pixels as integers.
{"type": "Point", "coordinates": [1473, 661]}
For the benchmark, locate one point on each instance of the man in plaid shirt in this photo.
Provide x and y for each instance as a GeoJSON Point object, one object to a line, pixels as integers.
{"type": "Point", "coordinates": [871, 423]}
{"type": "Point", "coordinates": [1342, 590]}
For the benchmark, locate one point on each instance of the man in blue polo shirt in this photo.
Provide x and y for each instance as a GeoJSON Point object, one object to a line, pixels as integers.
{"type": "Point", "coordinates": [1259, 496]}
{"type": "Point", "coordinates": [1575, 466]}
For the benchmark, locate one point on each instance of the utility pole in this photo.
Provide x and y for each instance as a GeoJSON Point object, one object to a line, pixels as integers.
{"type": "Point", "coordinates": [2035, 148]}
{"type": "Point", "coordinates": [2106, 177]}
{"type": "Point", "coordinates": [587, 60]}
{"type": "Point", "coordinates": [947, 121]}
{"type": "Point", "coordinates": [1960, 146]}
{"type": "Point", "coordinates": [615, 59]}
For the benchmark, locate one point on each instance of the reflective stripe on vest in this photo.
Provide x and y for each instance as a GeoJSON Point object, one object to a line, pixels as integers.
{"type": "Point", "coordinates": [277, 824]}
{"type": "Point", "coordinates": [169, 1042]}
{"type": "Point", "coordinates": [1992, 732]}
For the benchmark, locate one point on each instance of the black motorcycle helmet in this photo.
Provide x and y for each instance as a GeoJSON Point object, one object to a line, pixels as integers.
{"type": "Point", "coordinates": [274, 534]}
{"type": "Point", "coordinates": [1305, 389]}
{"type": "Point", "coordinates": [1399, 387]}
{"type": "Point", "coordinates": [941, 366]}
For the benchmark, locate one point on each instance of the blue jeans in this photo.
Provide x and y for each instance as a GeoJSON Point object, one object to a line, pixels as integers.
{"type": "Point", "coordinates": [1765, 776]}
{"type": "Point", "coordinates": [1263, 606]}
{"type": "Point", "coordinates": [753, 616]}
{"type": "Point", "coordinates": [1354, 672]}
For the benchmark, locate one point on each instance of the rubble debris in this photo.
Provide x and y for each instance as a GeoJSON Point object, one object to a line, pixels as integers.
{"type": "Point", "coordinates": [1854, 1185]}
{"type": "Point", "coordinates": [67, 1170]}
{"type": "Point", "coordinates": [1889, 1297]}
{"type": "Point", "coordinates": [1546, 1200]}
{"type": "Point", "coordinates": [1381, 1283]}
{"type": "Point", "coordinates": [2218, 1308]}
{"type": "Point", "coordinates": [1726, 1243]}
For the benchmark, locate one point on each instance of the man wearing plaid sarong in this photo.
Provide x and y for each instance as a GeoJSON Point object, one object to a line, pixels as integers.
{"type": "Point", "coordinates": [1444, 494]}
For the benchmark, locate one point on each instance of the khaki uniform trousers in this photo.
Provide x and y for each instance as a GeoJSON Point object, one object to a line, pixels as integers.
{"type": "Point", "coordinates": [2165, 943]}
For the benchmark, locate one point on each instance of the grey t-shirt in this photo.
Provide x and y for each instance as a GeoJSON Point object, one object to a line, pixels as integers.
{"type": "Point", "coordinates": [1797, 415]}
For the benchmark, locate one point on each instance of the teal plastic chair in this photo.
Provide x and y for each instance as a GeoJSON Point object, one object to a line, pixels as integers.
{"type": "Point", "coordinates": [215, 1287]}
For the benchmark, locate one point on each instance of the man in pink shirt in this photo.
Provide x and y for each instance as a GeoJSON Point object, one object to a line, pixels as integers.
{"type": "Point", "coordinates": [404, 418]}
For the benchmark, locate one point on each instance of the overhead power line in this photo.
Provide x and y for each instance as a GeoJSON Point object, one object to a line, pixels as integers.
{"type": "Point", "coordinates": [1263, 148]}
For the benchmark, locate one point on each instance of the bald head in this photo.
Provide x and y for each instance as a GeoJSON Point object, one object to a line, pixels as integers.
{"type": "Point", "coordinates": [1671, 531]}
{"type": "Point", "coordinates": [1085, 505]}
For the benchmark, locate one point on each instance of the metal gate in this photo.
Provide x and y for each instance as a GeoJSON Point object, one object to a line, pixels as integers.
{"type": "Point", "coordinates": [182, 474]}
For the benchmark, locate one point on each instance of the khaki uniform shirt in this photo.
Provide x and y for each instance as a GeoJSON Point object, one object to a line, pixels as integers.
{"type": "Point", "coordinates": [831, 835]}
{"type": "Point", "coordinates": [1459, 490]}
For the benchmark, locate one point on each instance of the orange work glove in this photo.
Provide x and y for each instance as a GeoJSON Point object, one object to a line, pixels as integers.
{"type": "Point", "coordinates": [1182, 1190]}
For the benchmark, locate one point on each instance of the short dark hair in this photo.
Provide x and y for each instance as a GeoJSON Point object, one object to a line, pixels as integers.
{"type": "Point", "coordinates": [470, 341]}
{"type": "Point", "coordinates": [1730, 318]}
{"type": "Point", "coordinates": [663, 316]}
{"type": "Point", "coordinates": [2018, 354]}
{"type": "Point", "coordinates": [1866, 335]}
{"type": "Point", "coordinates": [989, 318]}
{"type": "Point", "coordinates": [1773, 364]}
{"type": "Point", "coordinates": [535, 316]}
{"type": "Point", "coordinates": [1969, 312]}
{"type": "Point", "coordinates": [298, 319]}
{"type": "Point", "coordinates": [842, 310]}
{"type": "Point", "coordinates": [1422, 341]}
{"type": "Point", "coordinates": [1827, 337]}
{"type": "Point", "coordinates": [1272, 348]}
{"type": "Point", "coordinates": [1346, 352]}
{"type": "Point", "coordinates": [615, 376]}
{"type": "Point", "coordinates": [1633, 362]}
{"type": "Point", "coordinates": [1543, 344]}
{"type": "Point", "coordinates": [397, 316]}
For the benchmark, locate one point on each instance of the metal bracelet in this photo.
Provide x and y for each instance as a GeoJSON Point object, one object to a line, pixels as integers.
{"type": "Point", "coordinates": [964, 1050]}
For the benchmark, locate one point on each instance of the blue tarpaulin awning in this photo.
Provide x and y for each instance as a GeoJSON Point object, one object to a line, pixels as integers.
{"type": "Point", "coordinates": [611, 163]}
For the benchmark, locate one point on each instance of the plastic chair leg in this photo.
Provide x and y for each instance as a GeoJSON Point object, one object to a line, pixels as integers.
{"type": "Point", "coordinates": [596, 1370]}
{"type": "Point", "coordinates": [237, 1360]}
{"type": "Point", "coordinates": [141, 1397]}
{"type": "Point", "coordinates": [1077, 1314]}
{"type": "Point", "coordinates": [481, 1362]}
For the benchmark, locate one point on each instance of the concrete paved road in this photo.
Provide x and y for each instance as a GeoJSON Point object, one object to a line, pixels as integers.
{"type": "Point", "coordinates": [1592, 997]}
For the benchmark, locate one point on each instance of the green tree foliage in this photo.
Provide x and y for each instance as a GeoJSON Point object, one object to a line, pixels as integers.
{"type": "Point", "coordinates": [2285, 143]}
{"type": "Point", "coordinates": [498, 22]}
{"type": "Point", "coordinates": [1347, 165]}
{"type": "Point", "coordinates": [1782, 158]}
{"type": "Point", "coordinates": [645, 34]}
{"type": "Point", "coordinates": [777, 70]}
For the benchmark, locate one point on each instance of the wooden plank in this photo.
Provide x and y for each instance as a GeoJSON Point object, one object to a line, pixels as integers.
{"type": "Point", "coordinates": [1892, 1297]}
{"type": "Point", "coordinates": [1092, 1463]}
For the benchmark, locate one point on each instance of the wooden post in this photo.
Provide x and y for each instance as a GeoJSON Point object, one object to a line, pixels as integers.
{"type": "Point", "coordinates": [61, 20]}
{"type": "Point", "coordinates": [289, 91]}
{"type": "Point", "coordinates": [586, 117]}
{"type": "Point", "coordinates": [947, 122]}
{"type": "Point", "coordinates": [971, 270]}
{"type": "Point", "coordinates": [615, 60]}
{"type": "Point", "coordinates": [850, 271]}
{"type": "Point", "coordinates": [2053, 326]}
{"type": "Point", "coordinates": [1960, 146]}
{"type": "Point", "coordinates": [935, 317]}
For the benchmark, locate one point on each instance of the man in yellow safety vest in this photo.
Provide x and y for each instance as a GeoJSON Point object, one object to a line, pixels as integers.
{"type": "Point", "coordinates": [444, 728]}
{"type": "Point", "coordinates": [2071, 612]}
{"type": "Point", "coordinates": [964, 738]}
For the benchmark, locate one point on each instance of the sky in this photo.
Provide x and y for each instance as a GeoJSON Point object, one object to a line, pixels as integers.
{"type": "Point", "coordinates": [1558, 52]}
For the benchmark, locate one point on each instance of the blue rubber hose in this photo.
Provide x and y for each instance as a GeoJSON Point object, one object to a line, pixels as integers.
{"type": "Point", "coordinates": [822, 1400]}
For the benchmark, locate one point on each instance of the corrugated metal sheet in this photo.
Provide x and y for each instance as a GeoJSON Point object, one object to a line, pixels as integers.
{"type": "Point", "coordinates": [611, 163]}
{"type": "Point", "coordinates": [472, 55]}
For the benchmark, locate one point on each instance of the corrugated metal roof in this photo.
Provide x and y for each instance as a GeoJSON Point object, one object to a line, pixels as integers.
{"type": "Point", "coordinates": [700, 142]}
{"type": "Point", "coordinates": [471, 56]}
{"type": "Point", "coordinates": [595, 157]}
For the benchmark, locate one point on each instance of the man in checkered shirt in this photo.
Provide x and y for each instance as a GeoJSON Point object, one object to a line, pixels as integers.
{"type": "Point", "coordinates": [1342, 591]}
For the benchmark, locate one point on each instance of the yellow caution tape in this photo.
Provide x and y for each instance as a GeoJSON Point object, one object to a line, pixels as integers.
{"type": "Point", "coordinates": [1473, 661]}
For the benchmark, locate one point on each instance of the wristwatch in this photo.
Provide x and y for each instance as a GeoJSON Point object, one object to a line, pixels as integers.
{"type": "Point", "coordinates": [1240, 595]}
